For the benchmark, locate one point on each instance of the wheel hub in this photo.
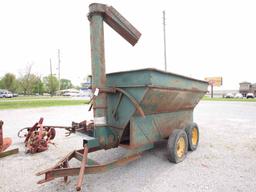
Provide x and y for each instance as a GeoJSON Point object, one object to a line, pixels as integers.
{"type": "Point", "coordinates": [194, 136]}
{"type": "Point", "coordinates": [181, 145]}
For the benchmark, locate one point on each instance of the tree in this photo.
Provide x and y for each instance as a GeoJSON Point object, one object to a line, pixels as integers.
{"type": "Point", "coordinates": [27, 81]}
{"type": "Point", "coordinates": [1, 84]}
{"type": "Point", "coordinates": [38, 87]}
{"type": "Point", "coordinates": [9, 82]}
{"type": "Point", "coordinates": [51, 84]}
{"type": "Point", "coordinates": [65, 84]}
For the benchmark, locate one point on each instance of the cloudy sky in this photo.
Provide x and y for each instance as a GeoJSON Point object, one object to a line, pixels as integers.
{"type": "Point", "coordinates": [204, 38]}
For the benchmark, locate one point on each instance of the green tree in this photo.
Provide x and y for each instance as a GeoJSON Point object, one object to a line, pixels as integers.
{"type": "Point", "coordinates": [51, 84]}
{"type": "Point", "coordinates": [38, 87]}
{"type": "Point", "coordinates": [27, 82]}
{"type": "Point", "coordinates": [1, 84]}
{"type": "Point", "coordinates": [65, 84]}
{"type": "Point", "coordinates": [9, 82]}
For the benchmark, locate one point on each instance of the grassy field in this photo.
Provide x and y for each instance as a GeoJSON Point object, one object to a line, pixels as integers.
{"type": "Point", "coordinates": [33, 102]}
{"type": "Point", "coordinates": [33, 98]}
{"type": "Point", "coordinates": [228, 99]}
{"type": "Point", "coordinates": [47, 101]}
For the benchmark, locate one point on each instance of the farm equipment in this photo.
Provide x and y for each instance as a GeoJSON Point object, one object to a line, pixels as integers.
{"type": "Point", "coordinates": [132, 109]}
{"type": "Point", "coordinates": [5, 143]}
{"type": "Point", "coordinates": [39, 136]}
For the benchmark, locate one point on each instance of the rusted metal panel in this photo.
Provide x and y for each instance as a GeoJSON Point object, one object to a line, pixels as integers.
{"type": "Point", "coordinates": [125, 109]}
{"type": "Point", "coordinates": [157, 126]}
{"type": "Point", "coordinates": [158, 100]}
{"type": "Point", "coordinates": [150, 76]}
{"type": "Point", "coordinates": [116, 21]}
{"type": "Point", "coordinates": [121, 25]}
{"type": "Point", "coordinates": [156, 92]}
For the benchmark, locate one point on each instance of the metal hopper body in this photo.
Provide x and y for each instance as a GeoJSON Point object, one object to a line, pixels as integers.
{"type": "Point", "coordinates": [167, 101]}
{"type": "Point", "coordinates": [132, 109]}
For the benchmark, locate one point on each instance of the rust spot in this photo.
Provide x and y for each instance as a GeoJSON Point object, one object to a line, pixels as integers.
{"type": "Point", "coordinates": [111, 139]}
{"type": "Point", "coordinates": [102, 140]}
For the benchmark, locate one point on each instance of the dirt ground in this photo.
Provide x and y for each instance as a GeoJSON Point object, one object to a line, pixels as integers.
{"type": "Point", "coordinates": [224, 161]}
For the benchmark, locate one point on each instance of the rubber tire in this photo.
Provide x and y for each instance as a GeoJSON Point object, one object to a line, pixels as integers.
{"type": "Point", "coordinates": [188, 130]}
{"type": "Point", "coordinates": [172, 145]}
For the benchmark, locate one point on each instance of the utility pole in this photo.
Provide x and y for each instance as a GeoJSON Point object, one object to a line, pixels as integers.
{"type": "Point", "coordinates": [59, 67]}
{"type": "Point", "coordinates": [51, 78]}
{"type": "Point", "coordinates": [165, 59]}
{"type": "Point", "coordinates": [211, 90]}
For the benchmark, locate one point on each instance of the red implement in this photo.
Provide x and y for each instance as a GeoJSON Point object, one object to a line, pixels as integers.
{"type": "Point", "coordinates": [39, 137]}
{"type": "Point", "coordinates": [5, 143]}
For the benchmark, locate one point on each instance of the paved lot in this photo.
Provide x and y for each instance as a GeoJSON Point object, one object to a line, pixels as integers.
{"type": "Point", "coordinates": [224, 161]}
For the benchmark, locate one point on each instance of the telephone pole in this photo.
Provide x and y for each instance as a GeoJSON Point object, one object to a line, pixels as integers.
{"type": "Point", "coordinates": [165, 59]}
{"type": "Point", "coordinates": [59, 67]}
{"type": "Point", "coordinates": [51, 92]}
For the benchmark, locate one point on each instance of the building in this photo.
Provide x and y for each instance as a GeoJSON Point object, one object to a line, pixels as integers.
{"type": "Point", "coordinates": [247, 87]}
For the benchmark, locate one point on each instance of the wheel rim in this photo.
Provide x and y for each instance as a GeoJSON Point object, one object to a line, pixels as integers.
{"type": "Point", "coordinates": [194, 136]}
{"type": "Point", "coordinates": [181, 146]}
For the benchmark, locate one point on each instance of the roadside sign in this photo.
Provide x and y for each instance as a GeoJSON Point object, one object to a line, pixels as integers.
{"type": "Point", "coordinates": [214, 81]}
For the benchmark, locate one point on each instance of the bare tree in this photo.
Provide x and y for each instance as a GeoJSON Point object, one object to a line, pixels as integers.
{"type": "Point", "coordinates": [27, 81]}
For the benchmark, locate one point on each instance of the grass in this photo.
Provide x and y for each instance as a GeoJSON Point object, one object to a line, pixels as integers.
{"type": "Point", "coordinates": [47, 101]}
{"type": "Point", "coordinates": [228, 99]}
{"type": "Point", "coordinates": [33, 103]}
{"type": "Point", "coordinates": [33, 98]}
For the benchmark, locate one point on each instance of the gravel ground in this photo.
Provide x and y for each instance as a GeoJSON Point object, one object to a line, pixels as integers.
{"type": "Point", "coordinates": [224, 161]}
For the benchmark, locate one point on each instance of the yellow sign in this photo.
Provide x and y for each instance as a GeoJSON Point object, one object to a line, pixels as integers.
{"type": "Point", "coordinates": [215, 81]}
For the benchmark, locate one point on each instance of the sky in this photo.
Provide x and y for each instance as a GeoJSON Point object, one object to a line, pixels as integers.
{"type": "Point", "coordinates": [204, 38]}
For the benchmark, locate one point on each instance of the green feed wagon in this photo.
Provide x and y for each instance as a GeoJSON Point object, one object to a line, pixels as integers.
{"type": "Point", "coordinates": [132, 109]}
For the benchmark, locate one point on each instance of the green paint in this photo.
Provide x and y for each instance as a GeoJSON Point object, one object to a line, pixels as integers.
{"type": "Point", "coordinates": [155, 127]}
{"type": "Point", "coordinates": [167, 100]}
{"type": "Point", "coordinates": [92, 142]}
{"type": "Point", "coordinates": [163, 98]}
{"type": "Point", "coordinates": [91, 162]}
